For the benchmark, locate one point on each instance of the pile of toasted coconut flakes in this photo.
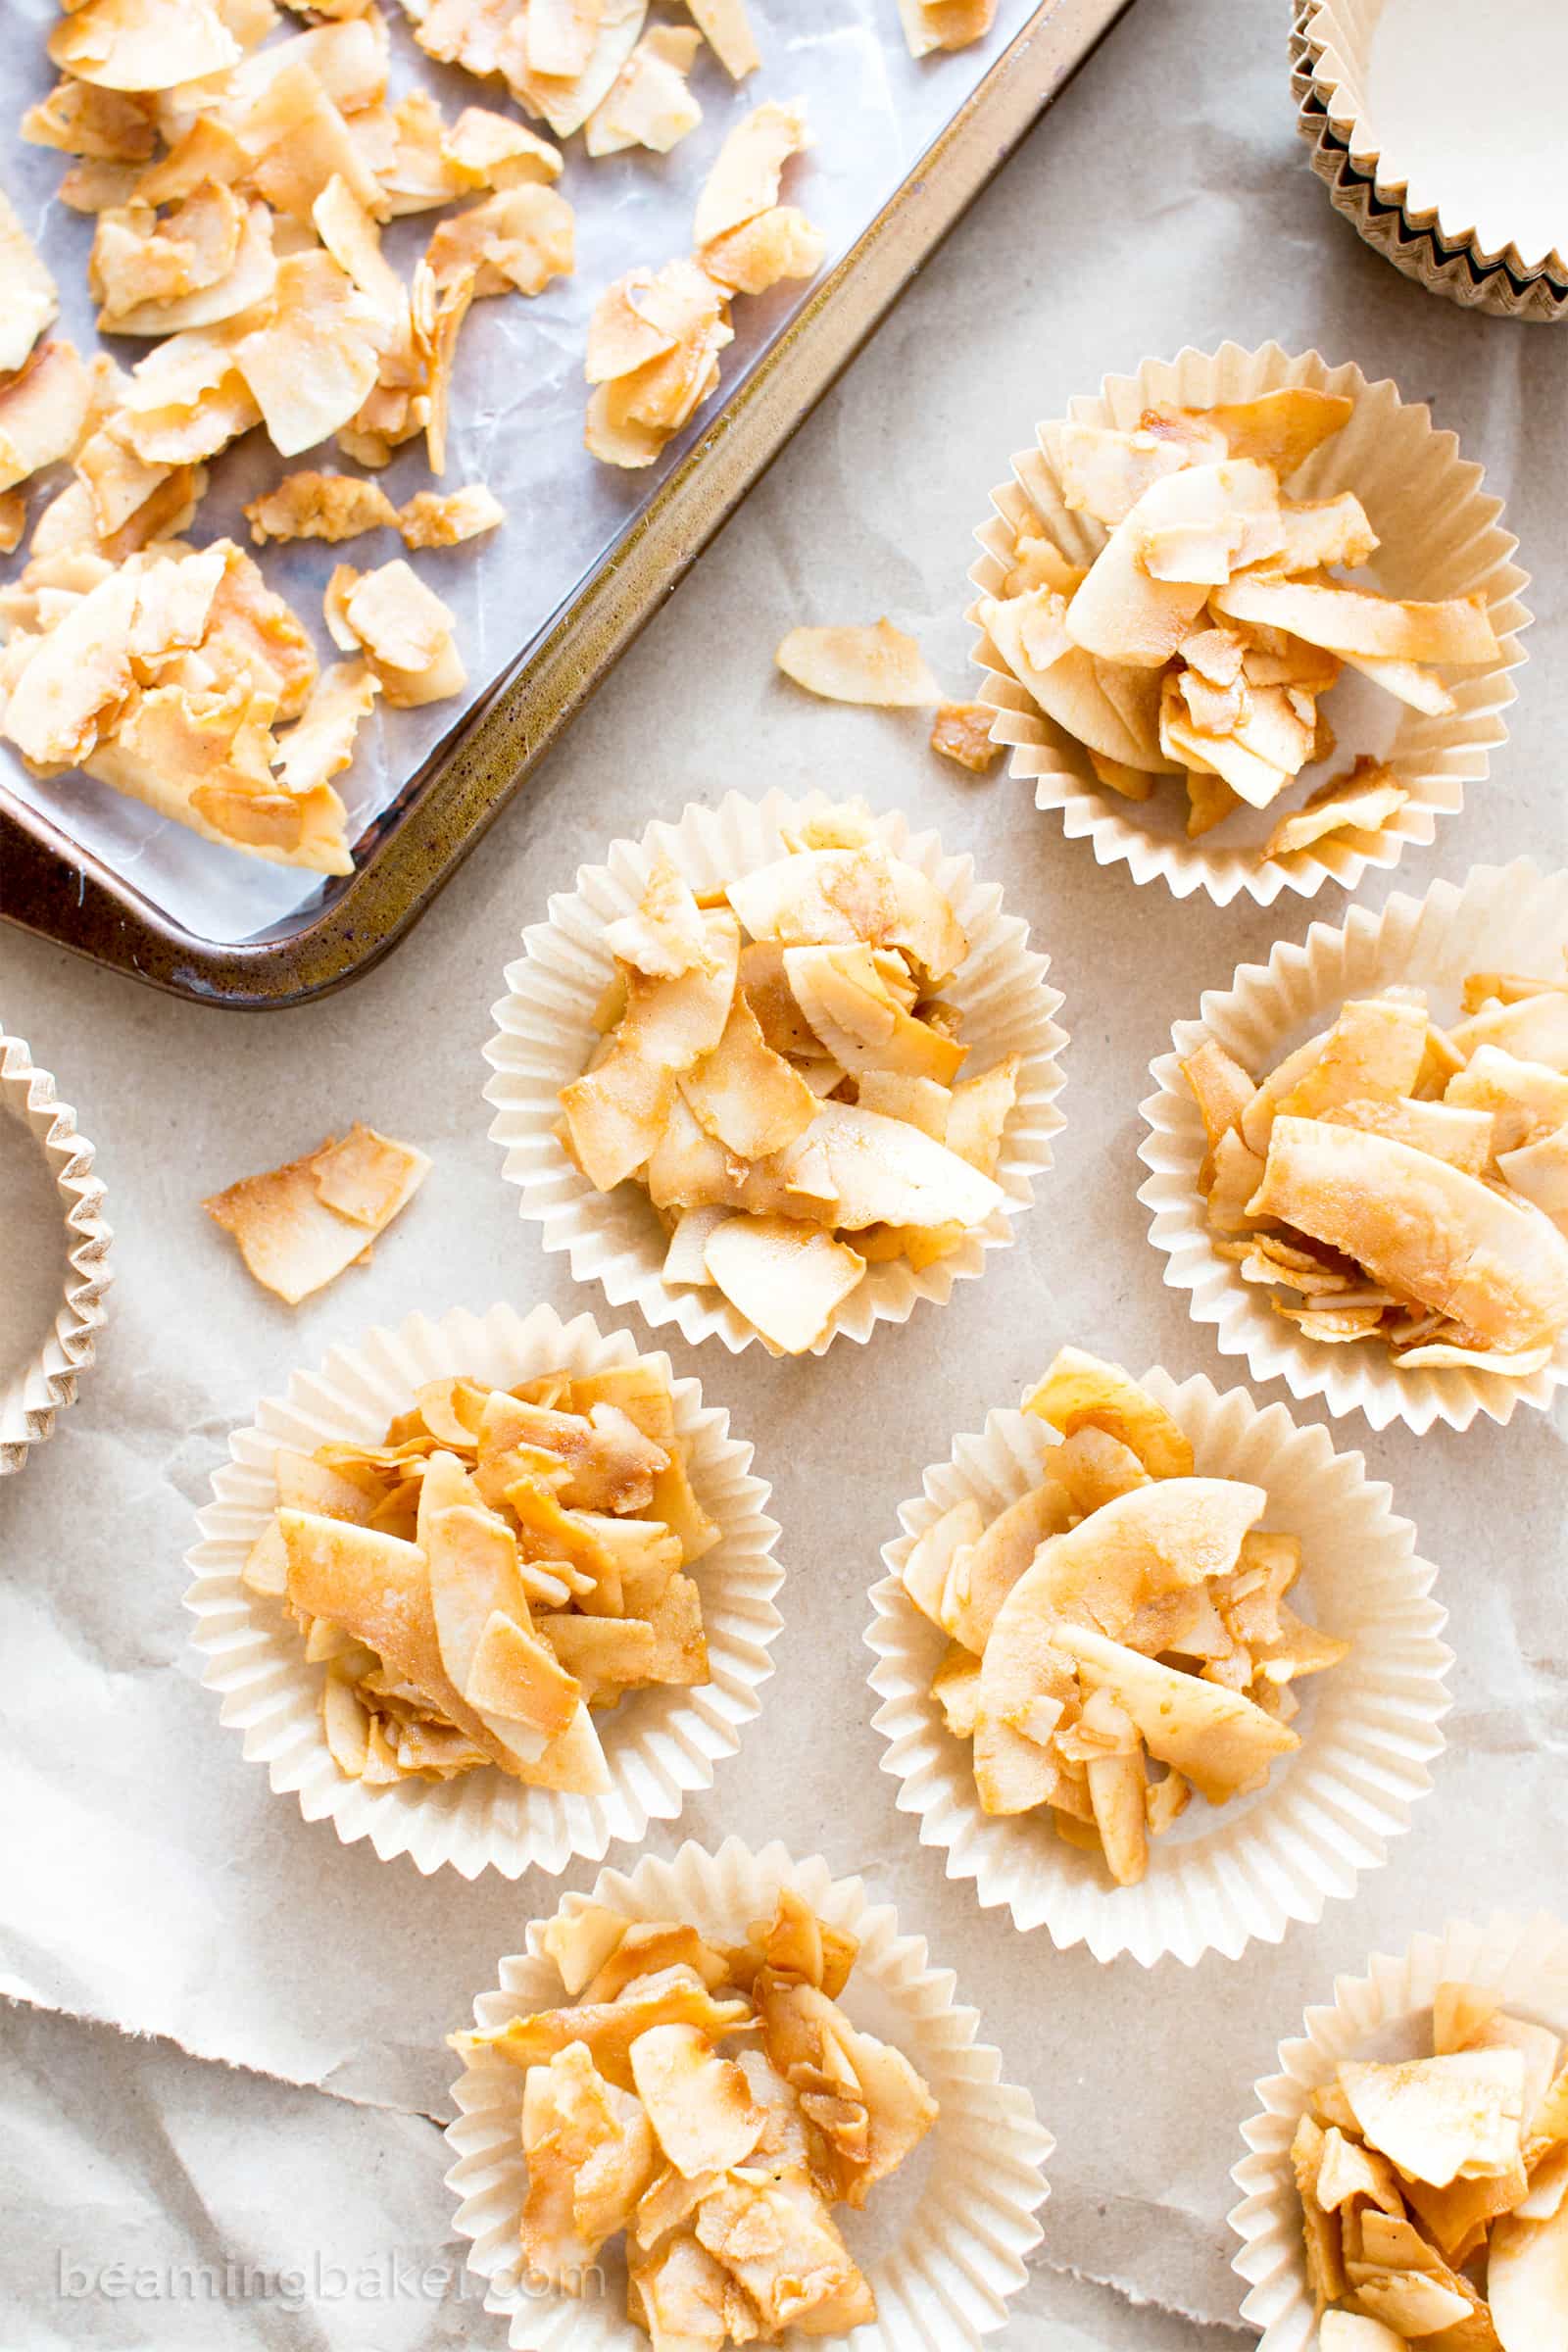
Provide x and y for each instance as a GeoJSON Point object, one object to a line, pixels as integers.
{"type": "Point", "coordinates": [240, 177]}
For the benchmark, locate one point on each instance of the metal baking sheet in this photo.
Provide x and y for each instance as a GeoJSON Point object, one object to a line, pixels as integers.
{"type": "Point", "coordinates": [545, 603]}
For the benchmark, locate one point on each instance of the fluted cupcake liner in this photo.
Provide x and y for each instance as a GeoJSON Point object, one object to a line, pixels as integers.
{"type": "Point", "coordinates": [1441, 537]}
{"type": "Point", "coordinates": [33, 1390]}
{"type": "Point", "coordinates": [1224, 1875]}
{"type": "Point", "coordinates": [1435, 244]}
{"type": "Point", "coordinates": [944, 2243]}
{"type": "Point", "coordinates": [1511, 917]}
{"type": "Point", "coordinates": [545, 1035]}
{"type": "Point", "coordinates": [1384, 2014]}
{"type": "Point", "coordinates": [660, 1744]}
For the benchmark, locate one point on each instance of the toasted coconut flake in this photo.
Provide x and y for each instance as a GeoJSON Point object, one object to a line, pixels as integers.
{"type": "Point", "coordinates": [487, 150]}
{"type": "Point", "coordinates": [700, 2105]}
{"type": "Point", "coordinates": [353, 239]}
{"type": "Point", "coordinates": [139, 259]}
{"type": "Point", "coordinates": [95, 187]}
{"type": "Point", "coordinates": [877, 664]}
{"type": "Point", "coordinates": [44, 412]}
{"type": "Point", "coordinates": [143, 45]}
{"type": "Point", "coordinates": [312, 362]}
{"type": "Point", "coordinates": [787, 1278]}
{"type": "Point", "coordinates": [320, 505]}
{"type": "Point", "coordinates": [204, 759]}
{"type": "Point", "coordinates": [81, 119]}
{"type": "Point", "coordinates": [13, 521]}
{"type": "Point", "coordinates": [1082, 1391]}
{"type": "Point", "coordinates": [1348, 621]}
{"type": "Point", "coordinates": [322, 744]}
{"type": "Point", "coordinates": [931, 25]}
{"type": "Point", "coordinates": [648, 104]}
{"type": "Point", "coordinates": [646, 314]}
{"type": "Point", "coordinates": [299, 141]}
{"type": "Point", "coordinates": [253, 639]}
{"type": "Point", "coordinates": [292, 1240]}
{"type": "Point", "coordinates": [1362, 799]}
{"type": "Point", "coordinates": [1423, 1229]}
{"type": "Point", "coordinates": [77, 679]}
{"type": "Point", "coordinates": [28, 296]}
{"type": "Point", "coordinates": [745, 180]}
{"type": "Point", "coordinates": [185, 401]}
{"type": "Point", "coordinates": [726, 28]}
{"type": "Point", "coordinates": [962, 732]}
{"type": "Point", "coordinates": [562, 35]}
{"type": "Point", "coordinates": [566, 101]}
{"type": "Point", "coordinates": [519, 238]}
{"type": "Point", "coordinates": [777, 244]}
{"type": "Point", "coordinates": [1440, 2118]}
{"type": "Point", "coordinates": [430, 518]}
{"type": "Point", "coordinates": [249, 282]}
{"type": "Point", "coordinates": [406, 630]}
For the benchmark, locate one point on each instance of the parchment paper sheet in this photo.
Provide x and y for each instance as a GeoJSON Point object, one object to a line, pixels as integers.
{"type": "Point", "coordinates": [518, 396]}
{"type": "Point", "coordinates": [150, 1879]}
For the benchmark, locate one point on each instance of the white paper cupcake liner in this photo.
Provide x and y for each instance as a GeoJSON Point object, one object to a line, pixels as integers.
{"type": "Point", "coordinates": [1384, 2014]}
{"type": "Point", "coordinates": [943, 2242]}
{"type": "Point", "coordinates": [660, 1744]}
{"type": "Point", "coordinates": [1224, 1875]}
{"type": "Point", "coordinates": [1511, 917]}
{"type": "Point", "coordinates": [33, 1392]}
{"type": "Point", "coordinates": [1330, 46]}
{"type": "Point", "coordinates": [1441, 536]}
{"type": "Point", "coordinates": [545, 1035]}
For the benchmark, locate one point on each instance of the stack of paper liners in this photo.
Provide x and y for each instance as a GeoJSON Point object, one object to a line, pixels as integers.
{"type": "Point", "coordinates": [1227, 1875]}
{"type": "Point", "coordinates": [1331, 48]}
{"type": "Point", "coordinates": [660, 1745]}
{"type": "Point", "coordinates": [1384, 2014]}
{"type": "Point", "coordinates": [546, 1035]}
{"type": "Point", "coordinates": [1513, 917]}
{"type": "Point", "coordinates": [1440, 537]}
{"type": "Point", "coordinates": [942, 2263]}
{"type": "Point", "coordinates": [33, 1391]}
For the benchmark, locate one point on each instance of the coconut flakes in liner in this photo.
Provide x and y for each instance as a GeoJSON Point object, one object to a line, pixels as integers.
{"type": "Point", "coordinates": [1435, 2191]}
{"type": "Point", "coordinates": [655, 335]}
{"type": "Point", "coordinates": [777, 1068]}
{"type": "Point", "coordinates": [1402, 1181]}
{"type": "Point", "coordinates": [1198, 640]}
{"type": "Point", "coordinates": [723, 2171]}
{"type": "Point", "coordinates": [1122, 1611]}
{"type": "Point", "coordinates": [300, 1226]}
{"type": "Point", "coordinates": [504, 1566]}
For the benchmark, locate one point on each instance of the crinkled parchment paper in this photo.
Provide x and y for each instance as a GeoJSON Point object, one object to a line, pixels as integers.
{"type": "Point", "coordinates": [517, 397]}
{"type": "Point", "coordinates": [151, 1879]}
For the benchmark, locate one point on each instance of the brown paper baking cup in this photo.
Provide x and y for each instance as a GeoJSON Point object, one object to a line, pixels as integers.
{"type": "Point", "coordinates": [1224, 1875]}
{"type": "Point", "coordinates": [545, 1035]}
{"type": "Point", "coordinates": [943, 2242]}
{"type": "Point", "coordinates": [1384, 2014]}
{"type": "Point", "coordinates": [43, 1381]}
{"type": "Point", "coordinates": [1441, 536]}
{"type": "Point", "coordinates": [1415, 188]}
{"type": "Point", "coordinates": [660, 1744]}
{"type": "Point", "coordinates": [1511, 917]}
